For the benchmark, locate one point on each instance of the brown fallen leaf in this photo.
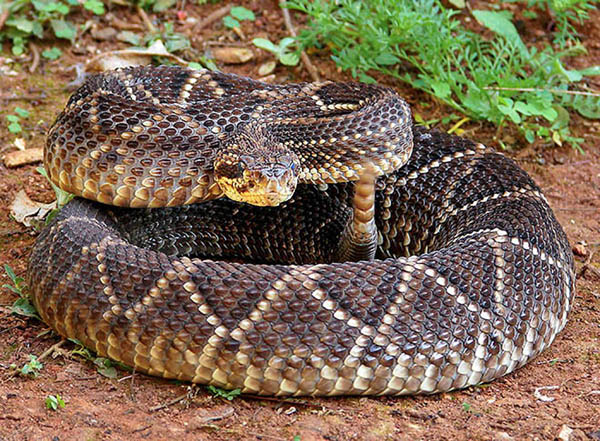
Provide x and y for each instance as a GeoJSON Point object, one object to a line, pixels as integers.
{"type": "Point", "coordinates": [23, 157]}
{"type": "Point", "coordinates": [267, 68]}
{"type": "Point", "coordinates": [130, 57]}
{"type": "Point", "coordinates": [29, 212]}
{"type": "Point", "coordinates": [232, 55]}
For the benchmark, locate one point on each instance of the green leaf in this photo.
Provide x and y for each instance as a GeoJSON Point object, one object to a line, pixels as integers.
{"type": "Point", "coordinates": [32, 367]}
{"type": "Point", "coordinates": [227, 394]}
{"type": "Point", "coordinates": [11, 288]}
{"type": "Point", "coordinates": [64, 29]}
{"type": "Point", "coordinates": [12, 118]}
{"type": "Point", "coordinates": [62, 9]}
{"type": "Point", "coordinates": [290, 59]}
{"type": "Point", "coordinates": [23, 306]}
{"type": "Point", "coordinates": [162, 5]}
{"type": "Point", "coordinates": [529, 136]}
{"type": "Point", "coordinates": [14, 127]}
{"type": "Point", "coordinates": [194, 65]}
{"type": "Point", "coordinates": [231, 22]}
{"type": "Point", "coordinates": [129, 37]}
{"type": "Point", "coordinates": [177, 42]}
{"type": "Point", "coordinates": [386, 59]}
{"type": "Point", "coordinates": [10, 273]}
{"type": "Point", "coordinates": [590, 71]}
{"type": "Point", "coordinates": [242, 13]}
{"type": "Point", "coordinates": [506, 106]}
{"type": "Point", "coordinates": [441, 89]}
{"type": "Point", "coordinates": [561, 121]}
{"type": "Point", "coordinates": [460, 4]}
{"type": "Point", "coordinates": [364, 78]}
{"type": "Point", "coordinates": [17, 48]}
{"type": "Point", "coordinates": [52, 54]}
{"type": "Point", "coordinates": [587, 106]}
{"type": "Point", "coordinates": [524, 108]}
{"type": "Point", "coordinates": [501, 25]}
{"type": "Point", "coordinates": [54, 402]}
{"type": "Point", "coordinates": [62, 197]}
{"type": "Point", "coordinates": [38, 30]}
{"type": "Point", "coordinates": [96, 6]}
{"type": "Point", "coordinates": [105, 367]}
{"type": "Point", "coordinates": [22, 112]}
{"type": "Point", "coordinates": [265, 44]}
{"type": "Point", "coordinates": [22, 24]}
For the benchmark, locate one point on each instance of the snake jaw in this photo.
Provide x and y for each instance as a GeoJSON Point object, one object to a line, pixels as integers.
{"type": "Point", "coordinates": [257, 181]}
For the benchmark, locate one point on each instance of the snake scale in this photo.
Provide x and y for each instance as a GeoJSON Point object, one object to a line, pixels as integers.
{"type": "Point", "coordinates": [472, 276]}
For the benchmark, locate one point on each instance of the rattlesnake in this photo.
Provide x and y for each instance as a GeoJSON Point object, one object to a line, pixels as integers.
{"type": "Point", "coordinates": [472, 276]}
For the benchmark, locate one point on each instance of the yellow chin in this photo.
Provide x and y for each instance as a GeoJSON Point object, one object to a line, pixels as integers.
{"type": "Point", "coordinates": [263, 200]}
{"type": "Point", "coordinates": [259, 195]}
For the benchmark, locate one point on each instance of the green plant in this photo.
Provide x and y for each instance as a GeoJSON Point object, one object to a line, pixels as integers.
{"type": "Point", "coordinates": [32, 368]}
{"type": "Point", "coordinates": [54, 402]}
{"type": "Point", "coordinates": [31, 18]}
{"type": "Point", "coordinates": [222, 393]}
{"type": "Point", "coordinates": [422, 43]}
{"type": "Point", "coordinates": [281, 51]}
{"type": "Point", "coordinates": [62, 197]}
{"type": "Point", "coordinates": [52, 54]}
{"type": "Point", "coordinates": [104, 366]}
{"type": "Point", "coordinates": [564, 14]}
{"type": "Point", "coordinates": [236, 14]}
{"type": "Point", "coordinates": [172, 40]}
{"type": "Point", "coordinates": [21, 306]}
{"type": "Point", "coordinates": [14, 125]}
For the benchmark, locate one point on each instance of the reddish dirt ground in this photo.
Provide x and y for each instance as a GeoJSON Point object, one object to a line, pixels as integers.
{"type": "Point", "coordinates": [142, 408]}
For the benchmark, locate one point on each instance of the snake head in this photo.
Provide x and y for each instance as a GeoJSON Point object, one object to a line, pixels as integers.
{"type": "Point", "coordinates": [262, 174]}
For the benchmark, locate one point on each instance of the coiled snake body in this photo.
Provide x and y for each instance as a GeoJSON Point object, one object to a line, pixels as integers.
{"type": "Point", "coordinates": [472, 277]}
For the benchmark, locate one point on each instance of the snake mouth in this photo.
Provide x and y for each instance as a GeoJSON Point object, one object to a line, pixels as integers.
{"type": "Point", "coordinates": [267, 187]}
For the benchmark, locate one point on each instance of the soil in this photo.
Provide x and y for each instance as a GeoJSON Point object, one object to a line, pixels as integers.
{"type": "Point", "coordinates": [556, 396]}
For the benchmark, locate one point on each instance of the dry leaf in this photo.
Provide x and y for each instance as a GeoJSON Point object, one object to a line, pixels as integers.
{"type": "Point", "coordinates": [23, 157]}
{"type": "Point", "coordinates": [29, 212]}
{"type": "Point", "coordinates": [232, 55]}
{"type": "Point", "coordinates": [267, 68]}
{"type": "Point", "coordinates": [19, 143]}
{"type": "Point", "coordinates": [130, 57]}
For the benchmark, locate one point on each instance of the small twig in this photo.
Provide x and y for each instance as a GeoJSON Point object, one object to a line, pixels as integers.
{"type": "Point", "coordinates": [169, 403]}
{"type": "Point", "coordinates": [35, 53]}
{"type": "Point", "coordinates": [557, 91]}
{"type": "Point", "coordinates": [145, 19]}
{"type": "Point", "coordinates": [212, 17]}
{"type": "Point", "coordinates": [141, 429]}
{"type": "Point", "coordinates": [51, 349]}
{"type": "Point", "coordinates": [131, 386]}
{"type": "Point", "coordinates": [287, 18]}
{"type": "Point", "coordinates": [47, 352]}
{"type": "Point", "coordinates": [544, 398]}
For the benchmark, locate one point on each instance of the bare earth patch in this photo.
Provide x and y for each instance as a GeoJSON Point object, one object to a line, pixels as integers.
{"type": "Point", "coordinates": [557, 396]}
